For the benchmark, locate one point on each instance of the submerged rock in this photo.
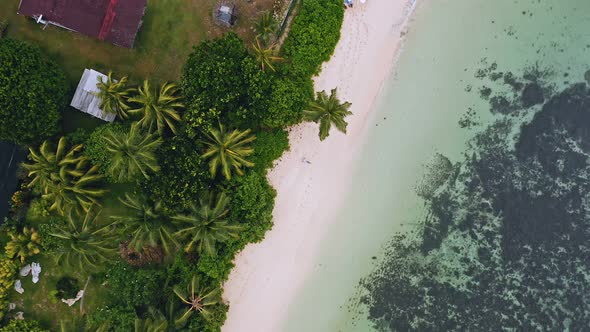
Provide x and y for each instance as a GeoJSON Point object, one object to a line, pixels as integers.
{"type": "Point", "coordinates": [532, 95]}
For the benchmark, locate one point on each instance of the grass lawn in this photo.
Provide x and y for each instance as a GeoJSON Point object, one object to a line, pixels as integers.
{"type": "Point", "coordinates": [37, 301]}
{"type": "Point", "coordinates": [170, 29]}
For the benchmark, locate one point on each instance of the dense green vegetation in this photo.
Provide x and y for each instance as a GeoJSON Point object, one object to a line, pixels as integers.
{"type": "Point", "coordinates": [148, 213]}
{"type": "Point", "coordinates": [32, 93]}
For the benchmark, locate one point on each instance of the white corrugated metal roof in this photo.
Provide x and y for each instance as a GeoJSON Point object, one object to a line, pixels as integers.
{"type": "Point", "coordinates": [84, 99]}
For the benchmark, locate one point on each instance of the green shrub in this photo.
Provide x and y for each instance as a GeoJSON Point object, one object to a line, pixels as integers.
{"type": "Point", "coordinates": [259, 86]}
{"type": "Point", "coordinates": [135, 287]}
{"type": "Point", "coordinates": [96, 147]}
{"type": "Point", "coordinates": [179, 271]}
{"type": "Point", "coordinates": [217, 267]}
{"type": "Point", "coordinates": [213, 78]}
{"type": "Point", "coordinates": [32, 93]}
{"type": "Point", "coordinates": [290, 95]}
{"type": "Point", "coordinates": [67, 288]}
{"type": "Point", "coordinates": [313, 36]}
{"type": "Point", "coordinates": [78, 136]}
{"type": "Point", "coordinates": [48, 226]}
{"type": "Point", "coordinates": [268, 147]}
{"type": "Point", "coordinates": [198, 323]}
{"type": "Point", "coordinates": [252, 202]}
{"type": "Point", "coordinates": [7, 277]}
{"type": "Point", "coordinates": [22, 325]}
{"type": "Point", "coordinates": [38, 210]}
{"type": "Point", "coordinates": [183, 174]}
{"type": "Point", "coordinates": [120, 318]}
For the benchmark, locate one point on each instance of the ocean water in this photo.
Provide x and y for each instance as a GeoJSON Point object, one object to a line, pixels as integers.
{"type": "Point", "coordinates": [436, 86]}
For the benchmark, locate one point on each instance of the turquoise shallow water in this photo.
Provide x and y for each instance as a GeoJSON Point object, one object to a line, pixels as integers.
{"type": "Point", "coordinates": [428, 94]}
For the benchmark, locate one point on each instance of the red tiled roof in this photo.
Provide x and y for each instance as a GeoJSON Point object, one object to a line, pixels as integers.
{"type": "Point", "coordinates": [116, 21]}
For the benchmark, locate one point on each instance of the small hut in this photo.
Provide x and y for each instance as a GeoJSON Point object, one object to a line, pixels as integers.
{"type": "Point", "coordinates": [85, 100]}
{"type": "Point", "coordinates": [225, 14]}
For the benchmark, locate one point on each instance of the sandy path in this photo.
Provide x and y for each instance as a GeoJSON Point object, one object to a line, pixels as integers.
{"type": "Point", "coordinates": [268, 275]}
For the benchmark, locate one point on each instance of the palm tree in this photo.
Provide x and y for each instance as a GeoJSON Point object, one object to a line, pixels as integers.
{"type": "Point", "coordinates": [147, 225]}
{"type": "Point", "coordinates": [113, 95]}
{"type": "Point", "coordinates": [74, 195]}
{"type": "Point", "coordinates": [23, 244]}
{"type": "Point", "coordinates": [196, 299]}
{"type": "Point", "coordinates": [266, 27]}
{"type": "Point", "coordinates": [133, 153]}
{"type": "Point", "coordinates": [48, 163]}
{"type": "Point", "coordinates": [156, 322]}
{"type": "Point", "coordinates": [79, 324]}
{"type": "Point", "coordinates": [64, 179]}
{"type": "Point", "coordinates": [327, 111]}
{"type": "Point", "coordinates": [228, 150]}
{"type": "Point", "coordinates": [159, 109]}
{"type": "Point", "coordinates": [86, 244]}
{"type": "Point", "coordinates": [207, 225]}
{"type": "Point", "coordinates": [265, 55]}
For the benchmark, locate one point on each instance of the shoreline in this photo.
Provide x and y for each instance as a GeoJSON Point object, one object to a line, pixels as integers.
{"type": "Point", "coordinates": [267, 275]}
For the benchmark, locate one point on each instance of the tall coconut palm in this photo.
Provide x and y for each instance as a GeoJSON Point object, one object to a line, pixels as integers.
{"type": "Point", "coordinates": [147, 225]}
{"type": "Point", "coordinates": [132, 153]}
{"type": "Point", "coordinates": [156, 322]}
{"type": "Point", "coordinates": [327, 111]}
{"type": "Point", "coordinates": [206, 224]}
{"type": "Point", "coordinates": [23, 244]}
{"type": "Point", "coordinates": [196, 299]}
{"type": "Point", "coordinates": [228, 150]}
{"type": "Point", "coordinates": [265, 27]}
{"type": "Point", "coordinates": [74, 194]}
{"type": "Point", "coordinates": [113, 95]}
{"type": "Point", "coordinates": [159, 109]}
{"type": "Point", "coordinates": [63, 177]}
{"type": "Point", "coordinates": [87, 245]}
{"type": "Point", "coordinates": [265, 55]}
{"type": "Point", "coordinates": [79, 324]}
{"type": "Point", "coordinates": [49, 163]}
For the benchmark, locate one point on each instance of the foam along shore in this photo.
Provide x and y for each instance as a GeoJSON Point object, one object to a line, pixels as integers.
{"type": "Point", "coordinates": [312, 178]}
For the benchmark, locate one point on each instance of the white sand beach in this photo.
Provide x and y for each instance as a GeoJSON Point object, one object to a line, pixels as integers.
{"type": "Point", "coordinates": [267, 275]}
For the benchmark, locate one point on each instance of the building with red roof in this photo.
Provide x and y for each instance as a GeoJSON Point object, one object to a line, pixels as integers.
{"type": "Point", "coordinates": [115, 21]}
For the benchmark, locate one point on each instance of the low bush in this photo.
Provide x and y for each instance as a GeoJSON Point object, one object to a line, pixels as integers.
{"type": "Point", "coordinates": [251, 204]}
{"type": "Point", "coordinates": [22, 325]}
{"type": "Point", "coordinates": [213, 78]}
{"type": "Point", "coordinates": [32, 93]}
{"type": "Point", "coordinates": [50, 225]}
{"type": "Point", "coordinates": [268, 147]}
{"type": "Point", "coordinates": [7, 277]}
{"type": "Point", "coordinates": [38, 210]}
{"type": "Point", "coordinates": [183, 174]}
{"type": "Point", "coordinates": [290, 95]}
{"type": "Point", "coordinates": [135, 287]}
{"type": "Point", "coordinates": [96, 147]}
{"type": "Point", "coordinates": [67, 288]}
{"type": "Point", "coordinates": [313, 36]}
{"type": "Point", "coordinates": [121, 318]}
{"type": "Point", "coordinates": [78, 136]}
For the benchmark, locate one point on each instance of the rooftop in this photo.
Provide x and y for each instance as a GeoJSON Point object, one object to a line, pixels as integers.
{"type": "Point", "coordinates": [116, 21]}
{"type": "Point", "coordinates": [84, 98]}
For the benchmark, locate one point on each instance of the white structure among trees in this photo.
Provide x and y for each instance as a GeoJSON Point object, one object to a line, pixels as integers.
{"type": "Point", "coordinates": [85, 99]}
